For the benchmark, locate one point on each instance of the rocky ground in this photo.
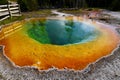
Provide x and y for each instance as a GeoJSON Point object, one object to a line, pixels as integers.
{"type": "Point", "coordinates": [106, 68]}
{"type": "Point", "coordinates": [112, 18]}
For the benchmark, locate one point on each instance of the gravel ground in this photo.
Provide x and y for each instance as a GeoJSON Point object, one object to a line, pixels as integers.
{"type": "Point", "coordinates": [112, 18]}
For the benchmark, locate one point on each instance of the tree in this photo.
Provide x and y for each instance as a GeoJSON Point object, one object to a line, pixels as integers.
{"type": "Point", "coordinates": [115, 5]}
{"type": "Point", "coordinates": [3, 2]}
{"type": "Point", "coordinates": [28, 5]}
{"type": "Point", "coordinates": [62, 3]}
{"type": "Point", "coordinates": [23, 6]}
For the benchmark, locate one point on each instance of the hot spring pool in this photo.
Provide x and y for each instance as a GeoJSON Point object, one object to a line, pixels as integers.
{"type": "Point", "coordinates": [61, 32]}
{"type": "Point", "coordinates": [57, 42]}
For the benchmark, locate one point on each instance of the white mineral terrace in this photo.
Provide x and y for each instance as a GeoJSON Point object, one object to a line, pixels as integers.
{"type": "Point", "coordinates": [113, 14]}
{"type": "Point", "coordinates": [60, 14]}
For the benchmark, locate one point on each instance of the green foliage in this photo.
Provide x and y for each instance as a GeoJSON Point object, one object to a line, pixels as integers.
{"type": "Point", "coordinates": [31, 5]}
{"type": "Point", "coordinates": [9, 20]}
{"type": "Point", "coordinates": [23, 6]}
{"type": "Point", "coordinates": [62, 3]}
{"type": "Point", "coordinates": [28, 5]}
{"type": "Point", "coordinates": [115, 5]}
{"type": "Point", "coordinates": [3, 2]}
{"type": "Point", "coordinates": [13, 0]}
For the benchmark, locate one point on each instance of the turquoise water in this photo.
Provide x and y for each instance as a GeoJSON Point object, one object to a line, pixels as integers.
{"type": "Point", "coordinates": [61, 32]}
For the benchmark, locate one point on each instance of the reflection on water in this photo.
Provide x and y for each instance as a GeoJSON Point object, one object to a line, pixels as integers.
{"type": "Point", "coordinates": [61, 32]}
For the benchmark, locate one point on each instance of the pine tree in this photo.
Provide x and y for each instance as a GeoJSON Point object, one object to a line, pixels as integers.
{"type": "Point", "coordinates": [3, 2]}
{"type": "Point", "coordinates": [115, 5]}
{"type": "Point", "coordinates": [28, 5]}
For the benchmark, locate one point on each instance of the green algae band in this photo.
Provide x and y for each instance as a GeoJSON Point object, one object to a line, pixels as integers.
{"type": "Point", "coordinates": [38, 32]}
{"type": "Point", "coordinates": [61, 32]}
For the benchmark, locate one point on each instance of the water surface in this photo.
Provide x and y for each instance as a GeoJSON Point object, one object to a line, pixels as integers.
{"type": "Point", "coordinates": [60, 42]}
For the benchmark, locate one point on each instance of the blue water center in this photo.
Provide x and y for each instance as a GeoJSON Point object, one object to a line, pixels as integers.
{"type": "Point", "coordinates": [61, 32]}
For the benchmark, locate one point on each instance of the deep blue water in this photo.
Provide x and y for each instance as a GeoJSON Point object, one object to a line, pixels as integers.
{"type": "Point", "coordinates": [62, 32]}
{"type": "Point", "coordinates": [66, 32]}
